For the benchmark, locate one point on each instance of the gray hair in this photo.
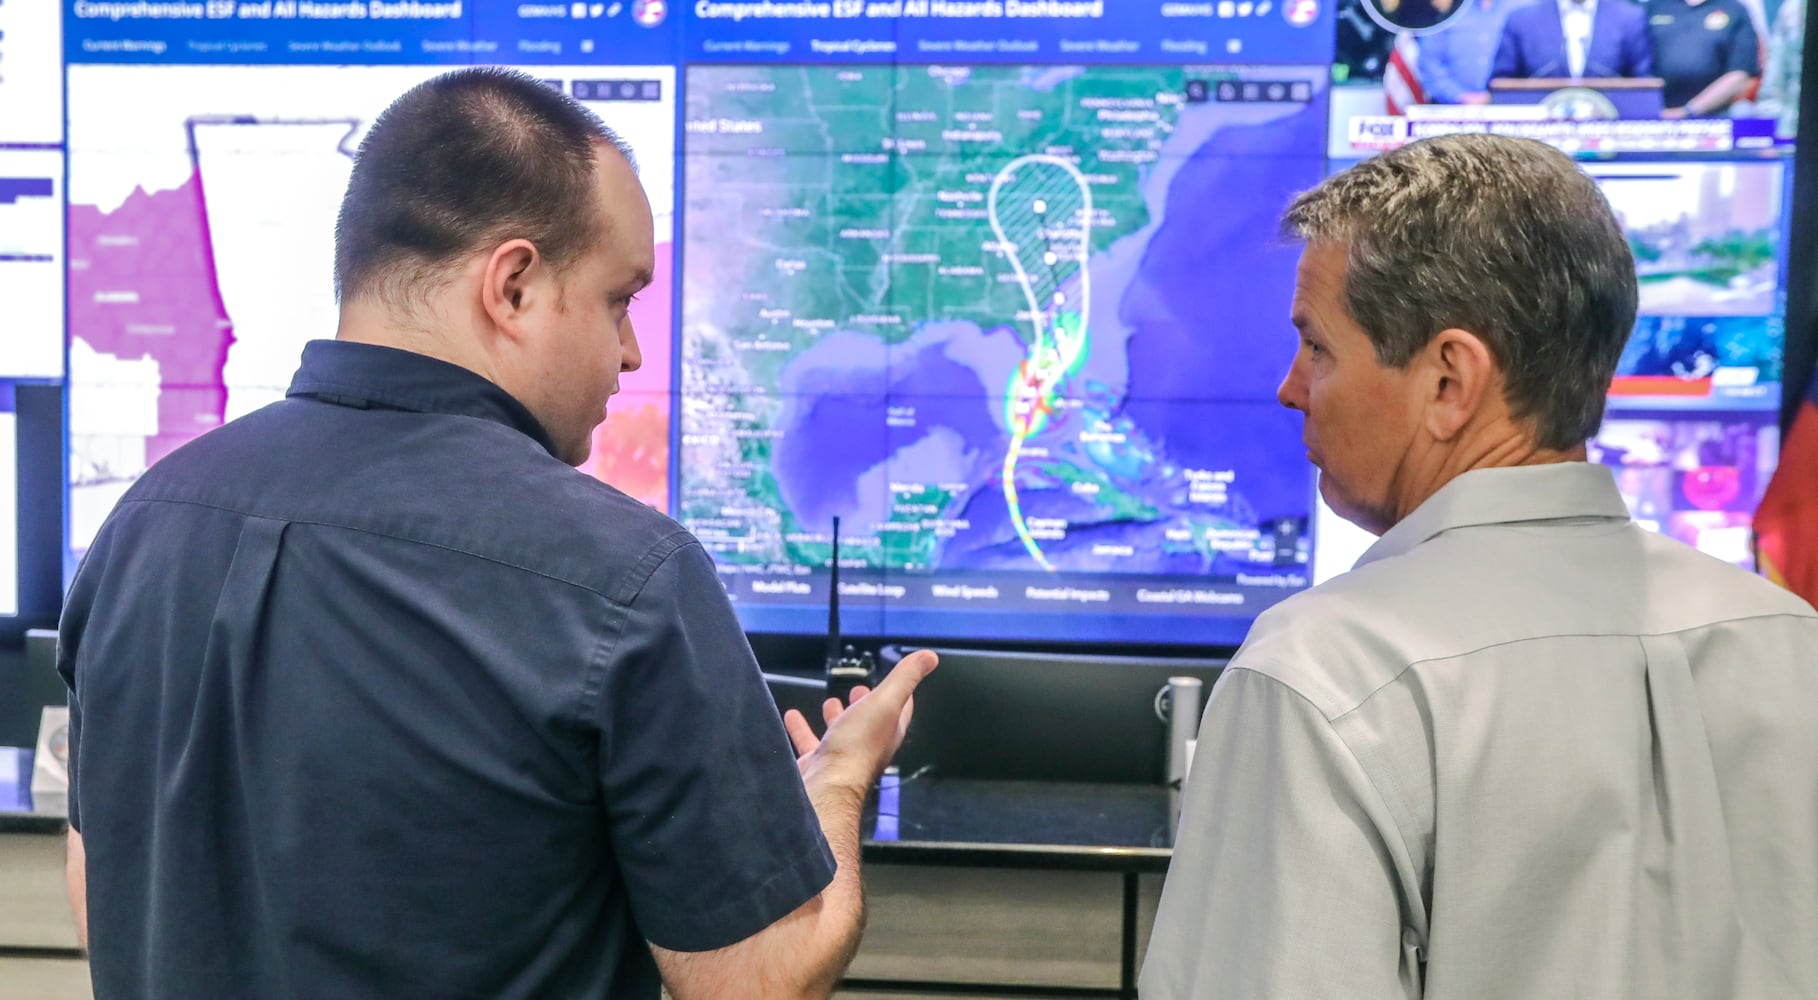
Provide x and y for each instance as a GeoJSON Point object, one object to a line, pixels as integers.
{"type": "Point", "coordinates": [1505, 238]}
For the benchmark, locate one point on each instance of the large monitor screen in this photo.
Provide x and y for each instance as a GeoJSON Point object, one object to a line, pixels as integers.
{"type": "Point", "coordinates": [1686, 113]}
{"type": "Point", "coordinates": [31, 191]}
{"type": "Point", "coordinates": [995, 283]}
{"type": "Point", "coordinates": [9, 504]}
{"type": "Point", "coordinates": [1012, 330]}
{"type": "Point", "coordinates": [201, 243]}
{"type": "Point", "coordinates": [31, 261]}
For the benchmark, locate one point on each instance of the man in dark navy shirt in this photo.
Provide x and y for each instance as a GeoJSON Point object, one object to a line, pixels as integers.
{"type": "Point", "coordinates": [1706, 52]}
{"type": "Point", "coordinates": [374, 696]}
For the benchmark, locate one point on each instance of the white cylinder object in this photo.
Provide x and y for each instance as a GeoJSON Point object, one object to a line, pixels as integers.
{"type": "Point", "coordinates": [1183, 725]}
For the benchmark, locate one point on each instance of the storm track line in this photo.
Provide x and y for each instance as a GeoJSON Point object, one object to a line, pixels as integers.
{"type": "Point", "coordinates": [1061, 193]}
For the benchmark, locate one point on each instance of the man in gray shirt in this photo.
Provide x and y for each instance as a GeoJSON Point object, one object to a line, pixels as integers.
{"type": "Point", "coordinates": [1526, 748]}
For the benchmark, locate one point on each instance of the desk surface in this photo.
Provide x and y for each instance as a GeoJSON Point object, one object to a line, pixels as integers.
{"type": "Point", "coordinates": [1020, 824]}
{"type": "Point", "coordinates": [911, 820]}
{"type": "Point", "coordinates": [18, 813]}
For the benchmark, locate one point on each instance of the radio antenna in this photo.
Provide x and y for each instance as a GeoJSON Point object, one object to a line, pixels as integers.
{"type": "Point", "coordinates": [833, 602]}
{"type": "Point", "coordinates": [846, 667]}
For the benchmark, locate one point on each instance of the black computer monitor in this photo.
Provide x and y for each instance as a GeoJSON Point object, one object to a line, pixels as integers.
{"type": "Point", "coordinates": [804, 694]}
{"type": "Point", "coordinates": [30, 683]}
{"type": "Point", "coordinates": [1043, 717]}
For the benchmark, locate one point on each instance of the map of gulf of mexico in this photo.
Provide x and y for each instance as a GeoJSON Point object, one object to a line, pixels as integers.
{"type": "Point", "coordinates": [994, 318]}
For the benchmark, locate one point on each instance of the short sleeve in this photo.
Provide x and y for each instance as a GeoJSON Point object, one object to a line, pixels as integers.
{"type": "Point", "coordinates": [73, 801]}
{"type": "Point", "coordinates": [69, 640]}
{"type": "Point", "coordinates": [710, 823]}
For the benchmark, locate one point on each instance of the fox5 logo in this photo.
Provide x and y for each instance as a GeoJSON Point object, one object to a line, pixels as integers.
{"type": "Point", "coordinates": [1300, 13]}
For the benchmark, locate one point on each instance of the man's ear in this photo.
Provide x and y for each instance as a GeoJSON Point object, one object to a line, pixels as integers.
{"type": "Point", "coordinates": [513, 283]}
{"type": "Point", "coordinates": [1463, 377]}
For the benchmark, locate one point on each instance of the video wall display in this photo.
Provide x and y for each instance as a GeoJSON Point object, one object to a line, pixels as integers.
{"type": "Point", "coordinates": [1627, 77]}
{"type": "Point", "coordinates": [201, 245]}
{"type": "Point", "coordinates": [1696, 479]}
{"type": "Point", "coordinates": [975, 327]}
{"type": "Point", "coordinates": [9, 504]}
{"type": "Point", "coordinates": [997, 283]}
{"type": "Point", "coordinates": [31, 260]}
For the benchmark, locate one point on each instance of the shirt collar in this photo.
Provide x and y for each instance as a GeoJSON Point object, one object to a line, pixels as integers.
{"type": "Point", "coordinates": [1506, 496]}
{"type": "Point", "coordinates": [367, 375]}
{"type": "Point", "coordinates": [1567, 6]}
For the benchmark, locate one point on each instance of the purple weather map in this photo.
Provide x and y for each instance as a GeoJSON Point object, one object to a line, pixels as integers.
{"type": "Point", "coordinates": [142, 285]}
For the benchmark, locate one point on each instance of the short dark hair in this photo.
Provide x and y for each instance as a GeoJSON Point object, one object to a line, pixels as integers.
{"type": "Point", "coordinates": [468, 159]}
{"type": "Point", "coordinates": [1504, 237]}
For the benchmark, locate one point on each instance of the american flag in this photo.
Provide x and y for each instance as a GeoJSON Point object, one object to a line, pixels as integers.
{"type": "Point", "coordinates": [1401, 79]}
